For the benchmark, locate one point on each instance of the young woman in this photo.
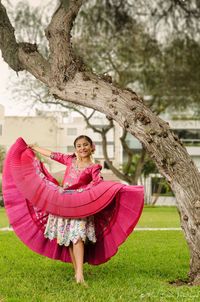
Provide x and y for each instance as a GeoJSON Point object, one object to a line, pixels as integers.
{"type": "Point", "coordinates": [83, 220]}
{"type": "Point", "coordinates": [72, 233]}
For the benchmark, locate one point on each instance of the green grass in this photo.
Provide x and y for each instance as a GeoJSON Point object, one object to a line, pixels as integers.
{"type": "Point", "coordinates": [3, 219]}
{"type": "Point", "coordinates": [161, 217]}
{"type": "Point", "coordinates": [140, 271]}
{"type": "Point", "coordinates": [151, 217]}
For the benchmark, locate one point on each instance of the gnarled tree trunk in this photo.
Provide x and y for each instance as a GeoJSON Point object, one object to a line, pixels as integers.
{"type": "Point", "coordinates": [68, 79]}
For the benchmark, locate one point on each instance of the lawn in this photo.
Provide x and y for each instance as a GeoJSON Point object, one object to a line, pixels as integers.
{"type": "Point", "coordinates": [159, 217]}
{"type": "Point", "coordinates": [151, 217]}
{"type": "Point", "coordinates": [140, 271]}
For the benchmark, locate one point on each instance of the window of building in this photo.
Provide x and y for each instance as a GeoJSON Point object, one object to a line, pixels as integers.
{"type": "Point", "coordinates": [99, 149]}
{"type": "Point", "coordinates": [189, 136]}
{"type": "Point", "coordinates": [71, 131]}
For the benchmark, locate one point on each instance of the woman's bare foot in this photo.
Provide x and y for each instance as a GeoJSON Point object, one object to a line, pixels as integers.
{"type": "Point", "coordinates": [80, 280]}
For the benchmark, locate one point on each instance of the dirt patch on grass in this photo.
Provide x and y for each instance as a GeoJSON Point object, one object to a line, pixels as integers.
{"type": "Point", "coordinates": [180, 282]}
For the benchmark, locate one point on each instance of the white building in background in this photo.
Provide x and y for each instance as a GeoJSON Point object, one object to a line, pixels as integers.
{"type": "Point", "coordinates": [189, 133]}
{"type": "Point", "coordinates": [57, 131]}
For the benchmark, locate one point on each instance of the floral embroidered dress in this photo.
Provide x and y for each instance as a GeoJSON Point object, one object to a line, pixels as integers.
{"type": "Point", "coordinates": [29, 204]}
{"type": "Point", "coordinates": [68, 230]}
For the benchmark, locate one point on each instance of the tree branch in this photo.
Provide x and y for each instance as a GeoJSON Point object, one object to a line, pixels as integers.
{"type": "Point", "coordinates": [20, 56]}
{"type": "Point", "coordinates": [8, 44]}
{"type": "Point", "coordinates": [93, 112]}
{"type": "Point", "coordinates": [126, 148]}
{"type": "Point", "coordinates": [139, 166]}
{"type": "Point", "coordinates": [109, 163]}
{"type": "Point", "coordinates": [64, 63]}
{"type": "Point", "coordinates": [34, 62]}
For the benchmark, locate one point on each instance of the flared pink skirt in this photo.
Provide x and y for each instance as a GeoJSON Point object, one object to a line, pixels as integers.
{"type": "Point", "coordinates": [31, 194]}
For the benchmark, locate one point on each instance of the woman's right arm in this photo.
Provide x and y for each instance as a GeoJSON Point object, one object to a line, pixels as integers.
{"type": "Point", "coordinates": [57, 156]}
{"type": "Point", "coordinates": [42, 151]}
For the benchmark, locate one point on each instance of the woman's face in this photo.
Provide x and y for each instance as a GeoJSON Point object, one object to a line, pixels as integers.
{"type": "Point", "coordinates": [83, 148]}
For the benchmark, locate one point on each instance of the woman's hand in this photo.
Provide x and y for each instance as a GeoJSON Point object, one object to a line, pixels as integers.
{"type": "Point", "coordinates": [31, 146]}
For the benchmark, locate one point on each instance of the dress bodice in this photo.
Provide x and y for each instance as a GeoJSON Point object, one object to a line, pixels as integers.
{"type": "Point", "coordinates": [74, 177]}
{"type": "Point", "coordinates": [73, 173]}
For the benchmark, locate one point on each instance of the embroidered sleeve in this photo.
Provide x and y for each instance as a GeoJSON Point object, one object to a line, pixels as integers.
{"type": "Point", "coordinates": [96, 176]}
{"type": "Point", "coordinates": [61, 157]}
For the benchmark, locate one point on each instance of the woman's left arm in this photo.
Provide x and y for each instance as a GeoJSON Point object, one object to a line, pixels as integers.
{"type": "Point", "coordinates": [96, 176]}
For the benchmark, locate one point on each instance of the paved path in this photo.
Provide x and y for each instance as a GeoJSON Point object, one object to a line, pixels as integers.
{"type": "Point", "coordinates": [158, 229]}
{"type": "Point", "coordinates": [6, 229]}
{"type": "Point", "coordinates": [136, 229]}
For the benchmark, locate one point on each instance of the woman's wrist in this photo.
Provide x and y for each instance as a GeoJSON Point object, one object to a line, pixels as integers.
{"type": "Point", "coordinates": [33, 147]}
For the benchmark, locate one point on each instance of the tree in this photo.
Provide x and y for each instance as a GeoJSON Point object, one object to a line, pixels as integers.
{"type": "Point", "coordinates": [124, 50]}
{"type": "Point", "coordinates": [68, 78]}
{"type": "Point", "coordinates": [115, 42]}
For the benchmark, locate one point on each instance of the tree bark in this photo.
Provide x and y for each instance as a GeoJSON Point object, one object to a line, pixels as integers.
{"type": "Point", "coordinates": [8, 43]}
{"type": "Point", "coordinates": [68, 80]}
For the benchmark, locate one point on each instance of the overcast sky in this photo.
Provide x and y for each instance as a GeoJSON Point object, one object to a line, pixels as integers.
{"type": "Point", "coordinates": [11, 107]}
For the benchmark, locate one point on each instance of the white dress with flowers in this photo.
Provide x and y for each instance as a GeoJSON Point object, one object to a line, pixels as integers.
{"type": "Point", "coordinates": [68, 230]}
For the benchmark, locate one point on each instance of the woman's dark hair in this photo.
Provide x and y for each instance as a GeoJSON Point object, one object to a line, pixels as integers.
{"type": "Point", "coordinates": [85, 137]}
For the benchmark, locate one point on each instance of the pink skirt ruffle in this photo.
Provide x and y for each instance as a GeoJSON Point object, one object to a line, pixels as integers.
{"type": "Point", "coordinates": [31, 193]}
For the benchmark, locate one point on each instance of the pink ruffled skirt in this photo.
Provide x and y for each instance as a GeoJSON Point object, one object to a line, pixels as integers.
{"type": "Point", "coordinates": [115, 208]}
